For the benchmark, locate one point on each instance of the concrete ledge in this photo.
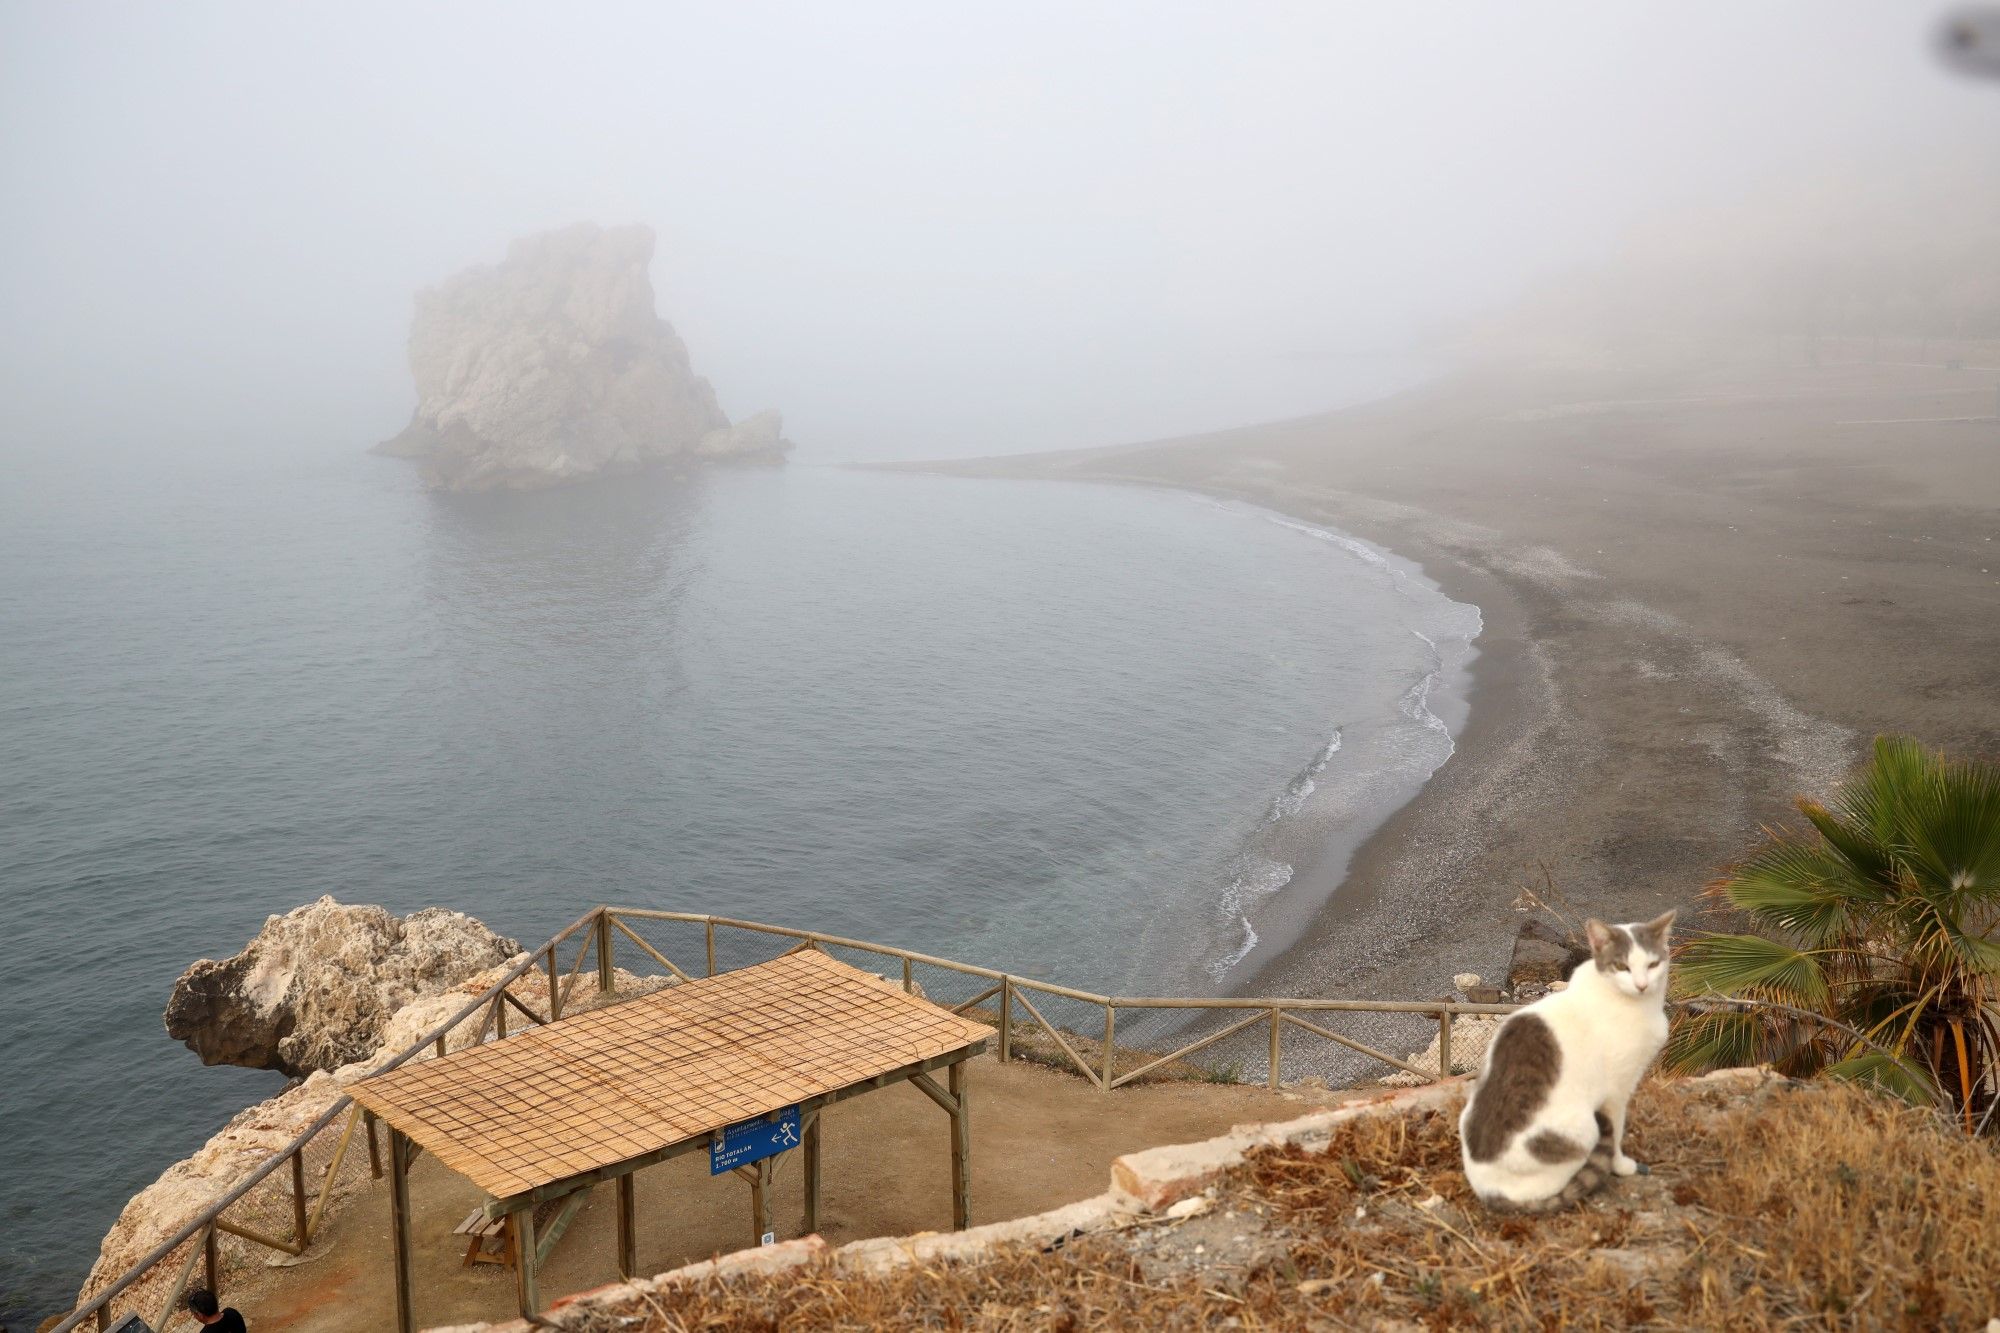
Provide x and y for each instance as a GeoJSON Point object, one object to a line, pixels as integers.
{"type": "Point", "coordinates": [1142, 1184]}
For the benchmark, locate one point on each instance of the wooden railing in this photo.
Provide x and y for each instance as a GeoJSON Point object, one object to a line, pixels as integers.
{"type": "Point", "coordinates": [311, 1164]}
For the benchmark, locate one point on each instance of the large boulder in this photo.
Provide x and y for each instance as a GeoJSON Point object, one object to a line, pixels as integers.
{"type": "Point", "coordinates": [317, 987]}
{"type": "Point", "coordinates": [552, 365]}
{"type": "Point", "coordinates": [1543, 955]}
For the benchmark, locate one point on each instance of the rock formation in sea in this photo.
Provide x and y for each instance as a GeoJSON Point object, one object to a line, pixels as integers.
{"type": "Point", "coordinates": [552, 366]}
{"type": "Point", "coordinates": [317, 987]}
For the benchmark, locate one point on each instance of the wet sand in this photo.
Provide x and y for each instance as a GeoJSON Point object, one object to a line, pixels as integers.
{"type": "Point", "coordinates": [1704, 587]}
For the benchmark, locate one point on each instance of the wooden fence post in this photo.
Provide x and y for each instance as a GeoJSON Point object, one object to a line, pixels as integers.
{"type": "Point", "coordinates": [711, 948]}
{"type": "Point", "coordinates": [606, 979]}
{"type": "Point", "coordinates": [1444, 1043]}
{"type": "Point", "coordinates": [1275, 1032]}
{"type": "Point", "coordinates": [301, 1229]}
{"type": "Point", "coordinates": [555, 988]}
{"type": "Point", "coordinates": [1110, 1047]}
{"type": "Point", "coordinates": [1006, 1017]}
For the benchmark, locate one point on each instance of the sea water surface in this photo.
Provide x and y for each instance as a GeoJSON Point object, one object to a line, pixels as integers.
{"type": "Point", "coordinates": [1075, 731]}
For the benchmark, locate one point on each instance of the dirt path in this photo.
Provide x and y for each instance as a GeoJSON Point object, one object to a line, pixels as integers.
{"type": "Point", "coordinates": [1039, 1139]}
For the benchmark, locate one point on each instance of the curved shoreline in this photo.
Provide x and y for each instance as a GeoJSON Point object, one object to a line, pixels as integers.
{"type": "Point", "coordinates": [1699, 598]}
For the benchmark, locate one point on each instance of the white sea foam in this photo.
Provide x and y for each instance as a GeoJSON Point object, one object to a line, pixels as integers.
{"type": "Point", "coordinates": [1300, 789]}
{"type": "Point", "coordinates": [1256, 879]}
{"type": "Point", "coordinates": [1413, 751]}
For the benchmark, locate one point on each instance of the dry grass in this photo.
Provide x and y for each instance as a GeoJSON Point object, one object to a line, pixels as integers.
{"type": "Point", "coordinates": [1786, 1207]}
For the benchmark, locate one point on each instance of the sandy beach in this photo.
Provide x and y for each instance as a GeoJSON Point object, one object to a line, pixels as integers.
{"type": "Point", "coordinates": [1704, 588]}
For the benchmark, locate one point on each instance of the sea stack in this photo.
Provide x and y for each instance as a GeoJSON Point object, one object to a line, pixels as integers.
{"type": "Point", "coordinates": [552, 366]}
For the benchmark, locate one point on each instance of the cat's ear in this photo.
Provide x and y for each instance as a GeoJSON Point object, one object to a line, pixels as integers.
{"type": "Point", "coordinates": [1660, 925]}
{"type": "Point", "coordinates": [1599, 934]}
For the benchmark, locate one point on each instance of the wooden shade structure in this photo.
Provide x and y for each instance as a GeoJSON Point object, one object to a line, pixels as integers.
{"type": "Point", "coordinates": [594, 1097]}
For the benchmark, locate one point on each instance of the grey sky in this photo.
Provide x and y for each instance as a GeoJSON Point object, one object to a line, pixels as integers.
{"type": "Point", "coordinates": [909, 226]}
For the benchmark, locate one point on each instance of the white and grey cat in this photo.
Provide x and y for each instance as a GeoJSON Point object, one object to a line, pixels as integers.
{"type": "Point", "coordinates": [1545, 1124]}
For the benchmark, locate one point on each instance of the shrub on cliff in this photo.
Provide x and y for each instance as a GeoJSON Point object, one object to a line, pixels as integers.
{"type": "Point", "coordinates": [1881, 916]}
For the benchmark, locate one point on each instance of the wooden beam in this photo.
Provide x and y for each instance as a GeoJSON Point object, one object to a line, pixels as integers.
{"type": "Point", "coordinates": [934, 1092]}
{"type": "Point", "coordinates": [1277, 1033]}
{"type": "Point", "coordinates": [301, 1225]}
{"type": "Point", "coordinates": [961, 1150]}
{"type": "Point", "coordinates": [527, 1293]}
{"type": "Point", "coordinates": [1110, 1046]}
{"type": "Point", "coordinates": [173, 1300]}
{"type": "Point", "coordinates": [374, 1149]}
{"type": "Point", "coordinates": [332, 1173]}
{"type": "Point", "coordinates": [252, 1234]}
{"type": "Point", "coordinates": [1082, 1064]}
{"type": "Point", "coordinates": [1006, 1018]}
{"type": "Point", "coordinates": [558, 1224]}
{"type": "Point", "coordinates": [1354, 1045]}
{"type": "Point", "coordinates": [399, 1225]}
{"type": "Point", "coordinates": [1188, 1049]}
{"type": "Point", "coordinates": [628, 1227]}
{"type": "Point", "coordinates": [514, 1203]}
{"type": "Point", "coordinates": [532, 1015]}
{"type": "Point", "coordinates": [606, 977]}
{"type": "Point", "coordinates": [810, 1133]}
{"type": "Point", "coordinates": [658, 957]}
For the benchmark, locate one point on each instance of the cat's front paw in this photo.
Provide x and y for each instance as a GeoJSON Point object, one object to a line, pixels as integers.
{"type": "Point", "coordinates": [1626, 1166]}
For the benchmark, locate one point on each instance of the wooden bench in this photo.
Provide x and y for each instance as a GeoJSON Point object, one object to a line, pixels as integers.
{"type": "Point", "coordinates": [493, 1242]}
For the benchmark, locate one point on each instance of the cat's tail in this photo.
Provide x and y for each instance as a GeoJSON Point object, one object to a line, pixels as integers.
{"type": "Point", "coordinates": [1589, 1178]}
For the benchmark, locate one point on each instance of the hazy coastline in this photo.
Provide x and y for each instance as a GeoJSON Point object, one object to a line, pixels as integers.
{"type": "Point", "coordinates": [1697, 607]}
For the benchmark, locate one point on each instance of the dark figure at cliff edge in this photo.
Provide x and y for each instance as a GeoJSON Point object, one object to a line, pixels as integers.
{"type": "Point", "coordinates": [210, 1313]}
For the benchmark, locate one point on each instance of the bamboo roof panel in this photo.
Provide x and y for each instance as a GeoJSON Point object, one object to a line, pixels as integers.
{"type": "Point", "coordinates": [611, 1084]}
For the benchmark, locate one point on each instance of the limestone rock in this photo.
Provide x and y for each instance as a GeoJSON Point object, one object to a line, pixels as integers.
{"type": "Point", "coordinates": [552, 366]}
{"type": "Point", "coordinates": [186, 1187]}
{"type": "Point", "coordinates": [755, 439]}
{"type": "Point", "coordinates": [317, 987]}
{"type": "Point", "coordinates": [1543, 955]}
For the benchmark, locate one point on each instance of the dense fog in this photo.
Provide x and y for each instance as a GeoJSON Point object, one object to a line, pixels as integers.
{"type": "Point", "coordinates": [931, 229]}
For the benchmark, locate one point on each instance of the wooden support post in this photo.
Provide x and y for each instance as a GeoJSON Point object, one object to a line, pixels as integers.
{"type": "Point", "coordinates": [961, 1149]}
{"type": "Point", "coordinates": [301, 1229]}
{"type": "Point", "coordinates": [606, 980]}
{"type": "Point", "coordinates": [500, 1016]}
{"type": "Point", "coordinates": [399, 1223]}
{"type": "Point", "coordinates": [1444, 1043]}
{"type": "Point", "coordinates": [1006, 1019]}
{"type": "Point", "coordinates": [104, 1318]}
{"type": "Point", "coordinates": [909, 985]}
{"type": "Point", "coordinates": [628, 1228]}
{"type": "Point", "coordinates": [711, 948]}
{"type": "Point", "coordinates": [555, 987]}
{"type": "Point", "coordinates": [374, 1149]}
{"type": "Point", "coordinates": [760, 1198]}
{"type": "Point", "coordinates": [1275, 1030]}
{"type": "Point", "coordinates": [211, 1261]}
{"type": "Point", "coordinates": [810, 1148]}
{"type": "Point", "coordinates": [527, 1293]}
{"type": "Point", "coordinates": [1110, 1047]}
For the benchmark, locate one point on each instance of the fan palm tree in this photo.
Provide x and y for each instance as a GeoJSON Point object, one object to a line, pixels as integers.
{"type": "Point", "coordinates": [1884, 916]}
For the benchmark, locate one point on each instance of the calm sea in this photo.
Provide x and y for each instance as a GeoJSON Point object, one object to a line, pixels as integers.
{"type": "Point", "coordinates": [1074, 731]}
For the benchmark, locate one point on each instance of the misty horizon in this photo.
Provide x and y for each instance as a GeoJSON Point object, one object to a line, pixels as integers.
{"type": "Point", "coordinates": [913, 232]}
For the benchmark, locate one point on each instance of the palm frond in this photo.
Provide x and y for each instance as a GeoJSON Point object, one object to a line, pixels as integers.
{"type": "Point", "coordinates": [1733, 964]}
{"type": "Point", "coordinates": [1891, 1076]}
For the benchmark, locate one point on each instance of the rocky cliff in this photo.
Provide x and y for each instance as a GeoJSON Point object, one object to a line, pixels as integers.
{"type": "Point", "coordinates": [552, 365]}
{"type": "Point", "coordinates": [308, 946]}
{"type": "Point", "coordinates": [316, 988]}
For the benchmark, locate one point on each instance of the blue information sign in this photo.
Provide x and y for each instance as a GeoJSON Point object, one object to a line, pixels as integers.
{"type": "Point", "coordinates": [754, 1140]}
